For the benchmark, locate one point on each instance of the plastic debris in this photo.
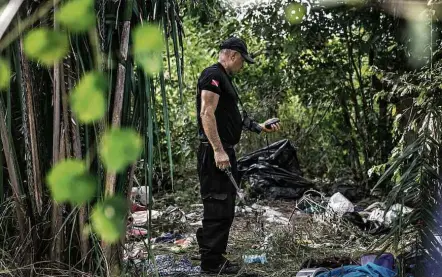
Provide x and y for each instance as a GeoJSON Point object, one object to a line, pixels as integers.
{"type": "Point", "coordinates": [140, 218]}
{"type": "Point", "coordinates": [253, 259]}
{"type": "Point", "coordinates": [339, 205]}
{"type": "Point", "coordinates": [141, 194]}
{"type": "Point", "coordinates": [274, 172]}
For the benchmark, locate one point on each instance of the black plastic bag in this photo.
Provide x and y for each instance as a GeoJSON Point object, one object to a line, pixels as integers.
{"type": "Point", "coordinates": [274, 172]}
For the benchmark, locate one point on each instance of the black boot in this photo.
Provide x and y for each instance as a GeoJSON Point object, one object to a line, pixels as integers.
{"type": "Point", "coordinates": [225, 268]}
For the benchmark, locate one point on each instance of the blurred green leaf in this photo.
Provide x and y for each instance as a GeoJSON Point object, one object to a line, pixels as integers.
{"type": "Point", "coordinates": [46, 46]}
{"type": "Point", "coordinates": [108, 218]}
{"type": "Point", "coordinates": [77, 15]}
{"type": "Point", "coordinates": [295, 13]}
{"type": "Point", "coordinates": [88, 98]}
{"type": "Point", "coordinates": [69, 181]}
{"type": "Point", "coordinates": [147, 48]}
{"type": "Point", "coordinates": [119, 148]}
{"type": "Point", "coordinates": [5, 74]}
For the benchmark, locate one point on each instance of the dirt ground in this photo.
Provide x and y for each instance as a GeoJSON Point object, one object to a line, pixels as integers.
{"type": "Point", "coordinates": [286, 244]}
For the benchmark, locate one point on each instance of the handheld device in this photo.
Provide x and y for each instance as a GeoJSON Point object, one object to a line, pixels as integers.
{"type": "Point", "coordinates": [271, 122]}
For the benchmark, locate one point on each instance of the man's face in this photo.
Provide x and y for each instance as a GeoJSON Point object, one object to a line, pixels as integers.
{"type": "Point", "coordinates": [237, 62]}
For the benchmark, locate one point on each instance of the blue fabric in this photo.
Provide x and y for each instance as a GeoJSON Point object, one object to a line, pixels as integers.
{"type": "Point", "coordinates": [368, 270]}
{"type": "Point", "coordinates": [166, 266]}
{"type": "Point", "coordinates": [168, 238]}
{"type": "Point", "coordinates": [385, 260]}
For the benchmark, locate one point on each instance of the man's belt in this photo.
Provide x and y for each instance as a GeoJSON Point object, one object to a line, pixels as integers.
{"type": "Point", "coordinates": [225, 145]}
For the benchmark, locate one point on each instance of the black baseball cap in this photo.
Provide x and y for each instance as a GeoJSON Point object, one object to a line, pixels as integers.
{"type": "Point", "coordinates": [239, 45]}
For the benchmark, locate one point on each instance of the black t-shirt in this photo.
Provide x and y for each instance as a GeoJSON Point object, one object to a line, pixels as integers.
{"type": "Point", "coordinates": [227, 114]}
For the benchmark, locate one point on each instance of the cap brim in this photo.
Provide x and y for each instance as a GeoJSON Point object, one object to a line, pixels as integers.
{"type": "Point", "coordinates": [247, 58]}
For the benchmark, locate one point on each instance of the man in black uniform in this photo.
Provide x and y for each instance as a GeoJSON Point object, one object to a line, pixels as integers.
{"type": "Point", "coordinates": [220, 125]}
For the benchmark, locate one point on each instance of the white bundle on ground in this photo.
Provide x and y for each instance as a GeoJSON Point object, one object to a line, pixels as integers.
{"type": "Point", "coordinates": [141, 194]}
{"type": "Point", "coordinates": [339, 205]}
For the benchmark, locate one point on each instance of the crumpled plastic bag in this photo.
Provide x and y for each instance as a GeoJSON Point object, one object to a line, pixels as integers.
{"type": "Point", "coordinates": [339, 205]}
{"type": "Point", "coordinates": [274, 172]}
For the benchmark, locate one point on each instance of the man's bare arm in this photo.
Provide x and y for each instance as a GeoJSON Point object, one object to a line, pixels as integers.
{"type": "Point", "coordinates": [209, 102]}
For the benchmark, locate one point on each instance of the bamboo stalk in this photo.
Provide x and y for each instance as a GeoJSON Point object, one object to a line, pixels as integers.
{"type": "Point", "coordinates": [13, 173]}
{"type": "Point", "coordinates": [112, 251]}
{"type": "Point", "coordinates": [35, 181]}
{"type": "Point", "coordinates": [64, 101]}
{"type": "Point", "coordinates": [56, 208]}
{"type": "Point", "coordinates": [8, 14]}
{"type": "Point", "coordinates": [119, 89]}
{"type": "Point", "coordinates": [76, 147]}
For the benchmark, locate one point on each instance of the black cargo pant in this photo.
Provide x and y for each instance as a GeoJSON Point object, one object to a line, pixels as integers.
{"type": "Point", "coordinates": [218, 195]}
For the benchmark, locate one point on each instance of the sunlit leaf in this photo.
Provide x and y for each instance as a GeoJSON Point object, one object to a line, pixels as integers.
{"type": "Point", "coordinates": [119, 148]}
{"type": "Point", "coordinates": [77, 15]}
{"type": "Point", "coordinates": [88, 99]}
{"type": "Point", "coordinates": [108, 218]}
{"type": "Point", "coordinates": [295, 13]}
{"type": "Point", "coordinates": [5, 74]}
{"type": "Point", "coordinates": [147, 48]}
{"type": "Point", "coordinates": [46, 46]}
{"type": "Point", "coordinates": [69, 181]}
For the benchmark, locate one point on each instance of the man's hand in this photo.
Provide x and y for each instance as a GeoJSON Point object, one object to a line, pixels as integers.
{"type": "Point", "coordinates": [274, 127]}
{"type": "Point", "coordinates": [222, 160]}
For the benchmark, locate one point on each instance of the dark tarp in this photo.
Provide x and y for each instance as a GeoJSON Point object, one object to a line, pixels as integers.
{"type": "Point", "coordinates": [274, 172]}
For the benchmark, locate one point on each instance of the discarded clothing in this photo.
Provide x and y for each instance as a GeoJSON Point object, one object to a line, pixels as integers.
{"type": "Point", "coordinates": [386, 260]}
{"type": "Point", "coordinates": [136, 232]}
{"type": "Point", "coordinates": [166, 265]}
{"type": "Point", "coordinates": [368, 270]}
{"type": "Point", "coordinates": [168, 238]}
{"type": "Point", "coordinates": [140, 218]}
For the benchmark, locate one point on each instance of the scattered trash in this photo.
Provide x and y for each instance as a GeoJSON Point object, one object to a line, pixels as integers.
{"type": "Point", "coordinates": [135, 250]}
{"type": "Point", "coordinates": [166, 265]}
{"type": "Point", "coordinates": [182, 245]}
{"type": "Point", "coordinates": [339, 205]}
{"type": "Point", "coordinates": [137, 208]}
{"type": "Point", "coordinates": [255, 259]}
{"type": "Point", "coordinates": [387, 219]}
{"type": "Point", "coordinates": [274, 172]}
{"type": "Point", "coordinates": [141, 194]}
{"type": "Point", "coordinates": [136, 232]}
{"type": "Point", "coordinates": [270, 215]}
{"type": "Point", "coordinates": [386, 260]}
{"type": "Point", "coordinates": [312, 202]}
{"type": "Point", "coordinates": [368, 270]}
{"type": "Point", "coordinates": [140, 218]}
{"type": "Point", "coordinates": [311, 272]}
{"type": "Point", "coordinates": [167, 238]}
